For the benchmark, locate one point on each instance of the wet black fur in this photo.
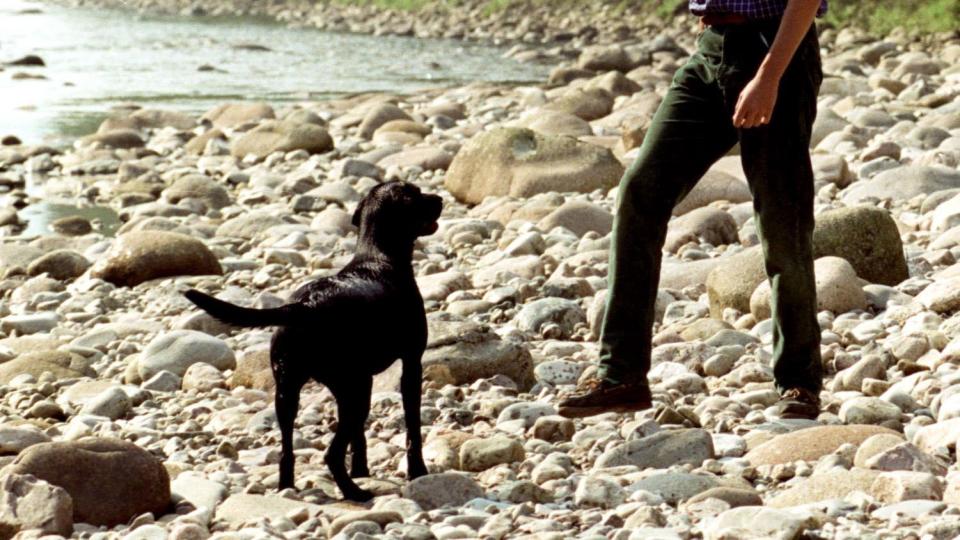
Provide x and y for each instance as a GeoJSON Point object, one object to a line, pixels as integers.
{"type": "Point", "coordinates": [342, 330]}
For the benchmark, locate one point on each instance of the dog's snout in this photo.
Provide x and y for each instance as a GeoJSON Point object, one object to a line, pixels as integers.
{"type": "Point", "coordinates": [434, 205]}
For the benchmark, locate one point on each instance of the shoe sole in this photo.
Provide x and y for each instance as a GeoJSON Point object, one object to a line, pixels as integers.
{"type": "Point", "coordinates": [583, 412]}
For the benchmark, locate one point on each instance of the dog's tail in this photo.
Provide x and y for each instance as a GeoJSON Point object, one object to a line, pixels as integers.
{"type": "Point", "coordinates": [241, 316]}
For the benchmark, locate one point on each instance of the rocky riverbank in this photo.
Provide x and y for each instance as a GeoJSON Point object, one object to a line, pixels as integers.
{"type": "Point", "coordinates": [518, 22]}
{"type": "Point", "coordinates": [251, 199]}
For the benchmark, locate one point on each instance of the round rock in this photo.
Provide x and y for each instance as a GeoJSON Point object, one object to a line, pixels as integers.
{"type": "Point", "coordinates": [178, 350]}
{"type": "Point", "coordinates": [480, 454]}
{"type": "Point", "coordinates": [62, 264]}
{"type": "Point", "coordinates": [444, 489]}
{"type": "Point", "coordinates": [87, 469]}
{"type": "Point", "coordinates": [521, 163]}
{"type": "Point", "coordinates": [140, 256]}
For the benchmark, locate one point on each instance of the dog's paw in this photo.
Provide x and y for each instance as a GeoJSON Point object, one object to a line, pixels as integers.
{"type": "Point", "coordinates": [362, 472]}
{"type": "Point", "coordinates": [358, 495]}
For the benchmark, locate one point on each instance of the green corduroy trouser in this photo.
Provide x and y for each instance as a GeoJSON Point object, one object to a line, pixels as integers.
{"type": "Point", "coordinates": [691, 130]}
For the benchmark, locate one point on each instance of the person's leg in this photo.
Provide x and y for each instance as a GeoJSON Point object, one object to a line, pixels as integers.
{"type": "Point", "coordinates": [689, 132]}
{"type": "Point", "coordinates": [776, 160]}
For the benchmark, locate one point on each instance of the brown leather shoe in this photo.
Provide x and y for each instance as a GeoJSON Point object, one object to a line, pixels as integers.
{"type": "Point", "coordinates": [798, 403]}
{"type": "Point", "coordinates": [598, 397]}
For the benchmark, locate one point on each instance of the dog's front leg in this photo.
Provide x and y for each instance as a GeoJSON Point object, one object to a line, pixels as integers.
{"type": "Point", "coordinates": [410, 387]}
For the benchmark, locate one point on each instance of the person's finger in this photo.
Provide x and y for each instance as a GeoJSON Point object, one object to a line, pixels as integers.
{"type": "Point", "coordinates": [765, 115]}
{"type": "Point", "coordinates": [739, 113]}
{"type": "Point", "coordinates": [749, 117]}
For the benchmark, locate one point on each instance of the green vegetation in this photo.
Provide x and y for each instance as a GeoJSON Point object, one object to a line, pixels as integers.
{"type": "Point", "coordinates": [404, 5]}
{"type": "Point", "coordinates": [877, 16]}
{"type": "Point", "coordinates": [666, 8]}
{"type": "Point", "coordinates": [881, 16]}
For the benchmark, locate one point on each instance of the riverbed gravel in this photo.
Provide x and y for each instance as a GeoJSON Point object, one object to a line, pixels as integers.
{"type": "Point", "coordinates": [126, 413]}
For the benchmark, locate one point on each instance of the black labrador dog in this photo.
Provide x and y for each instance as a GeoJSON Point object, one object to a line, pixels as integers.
{"type": "Point", "coordinates": [344, 329]}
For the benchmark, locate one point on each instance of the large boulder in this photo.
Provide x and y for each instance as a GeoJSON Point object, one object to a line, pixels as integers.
{"type": "Point", "coordinates": [140, 256]}
{"type": "Point", "coordinates": [231, 115]}
{"type": "Point", "coordinates": [472, 351]}
{"type": "Point", "coordinates": [902, 183]}
{"type": "Point", "coordinates": [867, 237]}
{"type": "Point", "coordinates": [110, 481]}
{"type": "Point", "coordinates": [27, 503]}
{"type": "Point", "coordinates": [282, 136]}
{"type": "Point", "coordinates": [838, 289]}
{"type": "Point", "coordinates": [520, 163]}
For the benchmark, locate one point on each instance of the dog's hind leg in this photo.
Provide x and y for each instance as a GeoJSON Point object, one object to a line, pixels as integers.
{"type": "Point", "coordinates": [358, 451]}
{"type": "Point", "coordinates": [358, 445]}
{"type": "Point", "coordinates": [287, 402]}
{"type": "Point", "coordinates": [410, 387]}
{"type": "Point", "coordinates": [353, 407]}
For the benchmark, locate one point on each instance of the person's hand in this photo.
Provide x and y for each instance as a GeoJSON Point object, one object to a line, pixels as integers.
{"type": "Point", "coordinates": [756, 102]}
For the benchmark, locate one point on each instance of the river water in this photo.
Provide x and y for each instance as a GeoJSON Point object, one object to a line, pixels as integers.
{"type": "Point", "coordinates": [97, 59]}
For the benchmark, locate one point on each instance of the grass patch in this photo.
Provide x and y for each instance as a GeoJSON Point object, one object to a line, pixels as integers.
{"type": "Point", "coordinates": [668, 8]}
{"type": "Point", "coordinates": [882, 16]}
{"type": "Point", "coordinates": [876, 16]}
{"type": "Point", "coordinates": [403, 5]}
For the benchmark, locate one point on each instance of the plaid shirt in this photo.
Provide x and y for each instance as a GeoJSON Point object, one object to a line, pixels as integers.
{"type": "Point", "coordinates": [754, 9]}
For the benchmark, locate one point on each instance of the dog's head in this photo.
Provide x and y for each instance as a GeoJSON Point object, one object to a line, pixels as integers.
{"type": "Point", "coordinates": [397, 212]}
